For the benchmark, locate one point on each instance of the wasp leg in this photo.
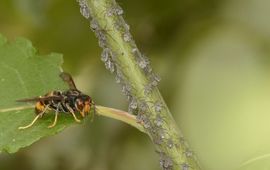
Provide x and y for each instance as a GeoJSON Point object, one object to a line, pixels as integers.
{"type": "Point", "coordinates": [55, 117]}
{"type": "Point", "coordinates": [36, 118]}
{"type": "Point", "coordinates": [72, 112]}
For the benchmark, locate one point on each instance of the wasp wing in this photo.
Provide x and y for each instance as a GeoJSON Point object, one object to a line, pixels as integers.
{"type": "Point", "coordinates": [68, 79]}
{"type": "Point", "coordinates": [36, 99]}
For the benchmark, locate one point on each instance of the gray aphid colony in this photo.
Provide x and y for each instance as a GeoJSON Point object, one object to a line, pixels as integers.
{"type": "Point", "coordinates": [105, 55]}
{"type": "Point", "coordinates": [127, 26]}
{"type": "Point", "coordinates": [157, 139]}
{"type": "Point", "coordinates": [117, 78]}
{"type": "Point", "coordinates": [165, 162]}
{"type": "Point", "coordinates": [159, 135]}
{"type": "Point", "coordinates": [94, 25]}
{"type": "Point", "coordinates": [127, 37]}
{"type": "Point", "coordinates": [116, 10]}
{"type": "Point", "coordinates": [106, 58]}
{"type": "Point", "coordinates": [110, 65]}
{"type": "Point", "coordinates": [154, 79]}
{"type": "Point", "coordinates": [134, 50]}
{"type": "Point", "coordinates": [148, 69]}
{"type": "Point", "coordinates": [158, 120]}
{"type": "Point", "coordinates": [143, 62]}
{"type": "Point", "coordinates": [109, 13]}
{"type": "Point", "coordinates": [158, 106]}
{"type": "Point", "coordinates": [84, 9]}
{"type": "Point", "coordinates": [142, 106]}
{"type": "Point", "coordinates": [146, 123]}
{"type": "Point", "coordinates": [184, 166]}
{"type": "Point", "coordinates": [148, 89]}
{"type": "Point", "coordinates": [119, 10]}
{"type": "Point", "coordinates": [143, 119]}
{"type": "Point", "coordinates": [188, 153]}
{"type": "Point", "coordinates": [102, 41]}
{"type": "Point", "coordinates": [126, 89]}
{"type": "Point", "coordinates": [162, 134]}
{"type": "Point", "coordinates": [133, 104]}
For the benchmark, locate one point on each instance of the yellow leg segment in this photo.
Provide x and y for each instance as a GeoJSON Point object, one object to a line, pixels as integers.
{"type": "Point", "coordinates": [36, 118]}
{"type": "Point", "coordinates": [55, 120]}
{"type": "Point", "coordinates": [31, 124]}
{"type": "Point", "coordinates": [73, 114]}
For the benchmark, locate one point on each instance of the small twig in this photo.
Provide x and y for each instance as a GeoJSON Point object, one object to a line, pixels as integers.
{"type": "Point", "coordinates": [120, 115]}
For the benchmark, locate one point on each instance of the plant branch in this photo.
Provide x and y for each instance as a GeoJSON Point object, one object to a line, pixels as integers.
{"type": "Point", "coordinates": [139, 83]}
{"type": "Point", "coordinates": [119, 115]}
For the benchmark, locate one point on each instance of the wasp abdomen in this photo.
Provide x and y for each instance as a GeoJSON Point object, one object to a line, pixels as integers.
{"type": "Point", "coordinates": [39, 107]}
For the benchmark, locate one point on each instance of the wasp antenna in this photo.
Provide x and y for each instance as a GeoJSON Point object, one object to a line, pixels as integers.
{"type": "Point", "coordinates": [28, 100]}
{"type": "Point", "coordinates": [41, 98]}
{"type": "Point", "coordinates": [66, 77]}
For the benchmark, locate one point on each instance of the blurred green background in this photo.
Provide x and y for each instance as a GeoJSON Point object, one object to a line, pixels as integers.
{"type": "Point", "coordinates": [212, 55]}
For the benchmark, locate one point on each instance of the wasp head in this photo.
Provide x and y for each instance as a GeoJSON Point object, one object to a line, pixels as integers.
{"type": "Point", "coordinates": [83, 104]}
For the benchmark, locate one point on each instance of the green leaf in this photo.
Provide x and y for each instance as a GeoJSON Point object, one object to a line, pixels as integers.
{"type": "Point", "coordinates": [26, 74]}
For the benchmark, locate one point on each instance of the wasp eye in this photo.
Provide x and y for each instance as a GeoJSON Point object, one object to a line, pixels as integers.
{"type": "Point", "coordinates": [79, 104]}
{"type": "Point", "coordinates": [86, 98]}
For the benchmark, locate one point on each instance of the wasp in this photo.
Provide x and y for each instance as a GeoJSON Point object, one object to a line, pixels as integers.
{"type": "Point", "coordinates": [70, 101]}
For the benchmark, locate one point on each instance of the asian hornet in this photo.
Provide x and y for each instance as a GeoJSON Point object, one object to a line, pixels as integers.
{"type": "Point", "coordinates": [70, 101]}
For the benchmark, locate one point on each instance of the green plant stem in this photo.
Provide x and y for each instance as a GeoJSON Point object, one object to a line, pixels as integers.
{"type": "Point", "coordinates": [119, 115]}
{"type": "Point", "coordinates": [133, 71]}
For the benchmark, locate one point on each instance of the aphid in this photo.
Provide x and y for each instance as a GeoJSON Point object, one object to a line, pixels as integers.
{"type": "Point", "coordinates": [69, 101]}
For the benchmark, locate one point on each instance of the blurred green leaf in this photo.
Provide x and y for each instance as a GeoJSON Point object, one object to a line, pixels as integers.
{"type": "Point", "coordinates": [24, 74]}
